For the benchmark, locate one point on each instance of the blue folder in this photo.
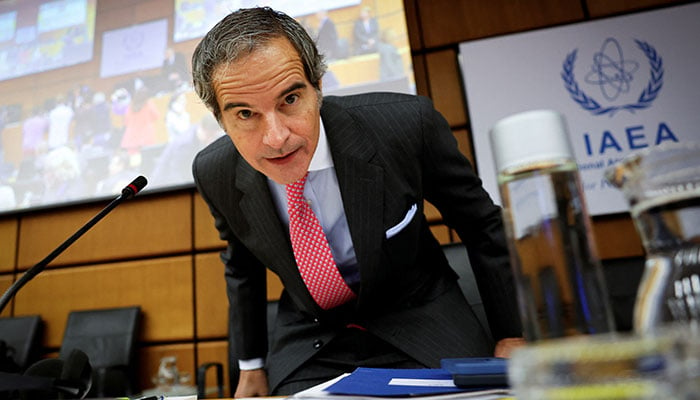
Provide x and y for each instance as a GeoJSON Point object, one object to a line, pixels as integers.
{"type": "Point", "coordinates": [377, 382]}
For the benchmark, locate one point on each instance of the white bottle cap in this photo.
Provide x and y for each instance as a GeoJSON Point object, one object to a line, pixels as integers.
{"type": "Point", "coordinates": [528, 137]}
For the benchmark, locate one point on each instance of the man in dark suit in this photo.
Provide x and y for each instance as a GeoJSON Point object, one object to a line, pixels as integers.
{"type": "Point", "coordinates": [369, 162]}
{"type": "Point", "coordinates": [174, 70]}
{"type": "Point", "coordinates": [326, 36]}
{"type": "Point", "coordinates": [365, 32]}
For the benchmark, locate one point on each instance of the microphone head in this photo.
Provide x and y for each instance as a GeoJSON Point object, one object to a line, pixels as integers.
{"type": "Point", "coordinates": [62, 379]}
{"type": "Point", "coordinates": [134, 187]}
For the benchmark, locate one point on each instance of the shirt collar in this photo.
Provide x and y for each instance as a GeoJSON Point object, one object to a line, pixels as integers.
{"type": "Point", "coordinates": [322, 155]}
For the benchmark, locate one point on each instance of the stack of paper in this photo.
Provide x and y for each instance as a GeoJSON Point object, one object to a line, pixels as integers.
{"type": "Point", "coordinates": [425, 384]}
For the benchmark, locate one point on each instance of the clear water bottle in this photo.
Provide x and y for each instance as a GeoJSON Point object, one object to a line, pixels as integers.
{"type": "Point", "coordinates": [560, 286]}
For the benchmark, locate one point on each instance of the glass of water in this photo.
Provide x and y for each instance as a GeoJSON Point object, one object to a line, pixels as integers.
{"type": "Point", "coordinates": [662, 186]}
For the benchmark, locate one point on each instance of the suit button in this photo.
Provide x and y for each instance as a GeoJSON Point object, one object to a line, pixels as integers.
{"type": "Point", "coordinates": [318, 343]}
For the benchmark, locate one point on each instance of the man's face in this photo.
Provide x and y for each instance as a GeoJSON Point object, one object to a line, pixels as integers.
{"type": "Point", "coordinates": [270, 110]}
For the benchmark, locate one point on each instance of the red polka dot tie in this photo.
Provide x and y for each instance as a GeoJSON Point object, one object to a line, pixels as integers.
{"type": "Point", "coordinates": [312, 252]}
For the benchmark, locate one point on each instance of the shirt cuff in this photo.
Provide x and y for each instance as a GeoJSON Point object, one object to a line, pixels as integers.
{"type": "Point", "coordinates": [253, 363]}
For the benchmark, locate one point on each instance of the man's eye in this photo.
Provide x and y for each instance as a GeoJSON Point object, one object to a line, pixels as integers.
{"type": "Point", "coordinates": [245, 114]}
{"type": "Point", "coordinates": [291, 99]}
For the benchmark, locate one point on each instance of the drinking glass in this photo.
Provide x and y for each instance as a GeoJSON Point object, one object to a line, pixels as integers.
{"type": "Point", "coordinates": [662, 186]}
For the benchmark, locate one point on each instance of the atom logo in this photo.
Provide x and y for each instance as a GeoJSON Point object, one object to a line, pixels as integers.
{"type": "Point", "coordinates": [614, 74]}
{"type": "Point", "coordinates": [611, 71]}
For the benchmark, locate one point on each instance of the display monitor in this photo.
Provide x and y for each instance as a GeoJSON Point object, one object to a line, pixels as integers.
{"type": "Point", "coordinates": [40, 35]}
{"type": "Point", "coordinates": [97, 92]}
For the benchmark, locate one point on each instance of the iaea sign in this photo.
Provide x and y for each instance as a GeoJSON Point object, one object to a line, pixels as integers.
{"type": "Point", "coordinates": [623, 83]}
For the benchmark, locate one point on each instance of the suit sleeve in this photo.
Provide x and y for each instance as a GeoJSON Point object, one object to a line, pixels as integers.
{"type": "Point", "coordinates": [451, 184]}
{"type": "Point", "coordinates": [245, 277]}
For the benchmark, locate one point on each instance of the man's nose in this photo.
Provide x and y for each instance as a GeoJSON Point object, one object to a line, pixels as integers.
{"type": "Point", "coordinates": [275, 131]}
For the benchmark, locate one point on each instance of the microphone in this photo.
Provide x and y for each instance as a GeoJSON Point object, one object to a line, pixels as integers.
{"type": "Point", "coordinates": [128, 192]}
{"type": "Point", "coordinates": [50, 378]}
{"type": "Point", "coordinates": [134, 187]}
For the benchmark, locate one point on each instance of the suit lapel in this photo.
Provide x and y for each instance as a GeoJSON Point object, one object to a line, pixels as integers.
{"type": "Point", "coordinates": [361, 186]}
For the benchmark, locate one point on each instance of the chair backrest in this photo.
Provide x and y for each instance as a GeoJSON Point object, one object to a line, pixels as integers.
{"type": "Point", "coordinates": [458, 258]}
{"type": "Point", "coordinates": [109, 338]}
{"type": "Point", "coordinates": [622, 278]}
{"type": "Point", "coordinates": [22, 339]}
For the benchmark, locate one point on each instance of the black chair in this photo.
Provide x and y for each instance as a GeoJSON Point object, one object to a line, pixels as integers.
{"type": "Point", "coordinates": [109, 338]}
{"type": "Point", "coordinates": [202, 379]}
{"type": "Point", "coordinates": [622, 276]}
{"type": "Point", "coordinates": [457, 256]}
{"type": "Point", "coordinates": [20, 342]}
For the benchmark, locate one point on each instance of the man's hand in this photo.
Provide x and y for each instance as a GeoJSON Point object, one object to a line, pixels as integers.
{"type": "Point", "coordinates": [505, 347]}
{"type": "Point", "coordinates": [252, 383]}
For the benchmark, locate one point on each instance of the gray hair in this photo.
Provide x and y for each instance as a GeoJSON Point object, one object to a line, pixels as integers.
{"type": "Point", "coordinates": [241, 33]}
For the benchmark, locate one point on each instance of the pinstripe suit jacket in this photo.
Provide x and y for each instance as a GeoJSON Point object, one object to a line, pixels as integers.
{"type": "Point", "coordinates": [391, 152]}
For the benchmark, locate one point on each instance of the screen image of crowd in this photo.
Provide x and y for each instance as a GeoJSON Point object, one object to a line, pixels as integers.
{"type": "Point", "coordinates": [89, 142]}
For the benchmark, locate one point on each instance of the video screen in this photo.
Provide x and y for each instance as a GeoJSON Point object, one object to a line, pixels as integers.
{"type": "Point", "coordinates": [38, 36]}
{"type": "Point", "coordinates": [194, 18]}
{"type": "Point", "coordinates": [82, 130]}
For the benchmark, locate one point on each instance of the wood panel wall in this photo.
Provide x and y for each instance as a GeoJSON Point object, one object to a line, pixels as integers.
{"type": "Point", "coordinates": [161, 251]}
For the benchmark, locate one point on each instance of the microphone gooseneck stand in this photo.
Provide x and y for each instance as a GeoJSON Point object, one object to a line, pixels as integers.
{"type": "Point", "coordinates": [128, 192]}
